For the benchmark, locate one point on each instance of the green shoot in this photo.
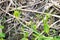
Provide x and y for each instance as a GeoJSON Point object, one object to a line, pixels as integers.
{"type": "Point", "coordinates": [17, 13]}
{"type": "Point", "coordinates": [46, 26]}
{"type": "Point", "coordinates": [24, 39]}
{"type": "Point", "coordinates": [25, 36]}
{"type": "Point", "coordinates": [1, 26]}
{"type": "Point", "coordinates": [2, 35]}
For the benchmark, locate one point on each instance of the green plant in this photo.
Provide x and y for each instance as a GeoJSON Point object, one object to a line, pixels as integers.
{"type": "Point", "coordinates": [35, 32]}
{"type": "Point", "coordinates": [25, 33]}
{"type": "Point", "coordinates": [46, 26]}
{"type": "Point", "coordinates": [33, 26]}
{"type": "Point", "coordinates": [2, 35]}
{"type": "Point", "coordinates": [17, 13]}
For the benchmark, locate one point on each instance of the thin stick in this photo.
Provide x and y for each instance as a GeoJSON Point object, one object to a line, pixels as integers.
{"type": "Point", "coordinates": [27, 10]}
{"type": "Point", "coordinates": [54, 23]}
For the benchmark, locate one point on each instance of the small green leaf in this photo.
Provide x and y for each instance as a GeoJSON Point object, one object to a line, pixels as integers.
{"type": "Point", "coordinates": [26, 34]}
{"type": "Point", "coordinates": [24, 39]}
{"type": "Point", "coordinates": [34, 27]}
{"type": "Point", "coordinates": [46, 26]}
{"type": "Point", "coordinates": [48, 15]}
{"type": "Point", "coordinates": [1, 26]}
{"type": "Point", "coordinates": [16, 13]}
{"type": "Point", "coordinates": [2, 35]}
